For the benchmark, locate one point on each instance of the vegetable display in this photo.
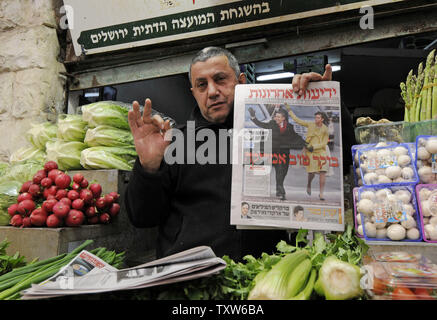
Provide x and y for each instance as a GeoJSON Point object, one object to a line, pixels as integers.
{"type": "Point", "coordinates": [290, 273]}
{"type": "Point", "coordinates": [53, 199]}
{"type": "Point", "coordinates": [419, 91]}
{"type": "Point", "coordinates": [13, 282]}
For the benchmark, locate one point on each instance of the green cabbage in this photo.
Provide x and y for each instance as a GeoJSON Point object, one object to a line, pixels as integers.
{"type": "Point", "coordinates": [40, 133]}
{"type": "Point", "coordinates": [65, 153]}
{"type": "Point", "coordinates": [121, 158]}
{"type": "Point", "coordinates": [21, 171]}
{"type": "Point", "coordinates": [28, 153]}
{"type": "Point", "coordinates": [109, 137]}
{"type": "Point", "coordinates": [8, 196]}
{"type": "Point", "coordinates": [107, 113]}
{"type": "Point", "coordinates": [71, 127]}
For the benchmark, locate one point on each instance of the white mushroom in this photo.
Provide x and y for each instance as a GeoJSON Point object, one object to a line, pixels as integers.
{"type": "Point", "coordinates": [408, 209]}
{"type": "Point", "coordinates": [425, 174]}
{"type": "Point", "coordinates": [425, 208]}
{"type": "Point", "coordinates": [407, 173]}
{"type": "Point", "coordinates": [382, 179]}
{"type": "Point", "coordinates": [396, 232]}
{"type": "Point", "coordinates": [404, 160]}
{"type": "Point", "coordinates": [370, 229]}
{"type": "Point", "coordinates": [422, 153]}
{"type": "Point", "coordinates": [432, 221]}
{"type": "Point", "coordinates": [370, 178]}
{"type": "Point", "coordinates": [393, 172]}
{"type": "Point", "coordinates": [382, 194]}
{"type": "Point", "coordinates": [365, 206]}
{"type": "Point", "coordinates": [431, 145]}
{"type": "Point", "coordinates": [360, 230]}
{"type": "Point", "coordinates": [367, 194]}
{"type": "Point", "coordinates": [413, 234]}
{"type": "Point", "coordinates": [403, 195]}
{"type": "Point", "coordinates": [409, 222]}
{"type": "Point", "coordinates": [358, 217]}
{"type": "Point", "coordinates": [400, 150]}
{"type": "Point", "coordinates": [424, 194]}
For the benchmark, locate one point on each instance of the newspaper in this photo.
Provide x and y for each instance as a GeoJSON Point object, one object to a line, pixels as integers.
{"type": "Point", "coordinates": [86, 273]}
{"type": "Point", "coordinates": [287, 157]}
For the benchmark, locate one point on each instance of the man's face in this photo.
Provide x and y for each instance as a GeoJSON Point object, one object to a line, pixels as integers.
{"type": "Point", "coordinates": [244, 209]}
{"type": "Point", "coordinates": [213, 88]}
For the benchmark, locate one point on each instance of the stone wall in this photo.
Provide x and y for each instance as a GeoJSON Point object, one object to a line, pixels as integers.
{"type": "Point", "coordinates": [31, 88]}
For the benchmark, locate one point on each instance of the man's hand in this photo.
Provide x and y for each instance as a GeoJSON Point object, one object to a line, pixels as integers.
{"type": "Point", "coordinates": [300, 81]}
{"type": "Point", "coordinates": [149, 135]}
{"type": "Point", "coordinates": [309, 147]}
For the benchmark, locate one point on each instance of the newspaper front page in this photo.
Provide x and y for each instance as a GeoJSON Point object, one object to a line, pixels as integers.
{"type": "Point", "coordinates": [287, 157]}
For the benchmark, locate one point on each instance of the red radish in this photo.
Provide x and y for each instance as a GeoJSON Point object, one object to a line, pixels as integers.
{"type": "Point", "coordinates": [74, 218]}
{"type": "Point", "coordinates": [84, 183]}
{"type": "Point", "coordinates": [25, 186]}
{"type": "Point", "coordinates": [13, 209]}
{"type": "Point", "coordinates": [53, 221]}
{"type": "Point", "coordinates": [50, 196]}
{"type": "Point", "coordinates": [90, 212]}
{"type": "Point", "coordinates": [38, 176]}
{"type": "Point", "coordinates": [73, 195]}
{"type": "Point", "coordinates": [78, 178]}
{"type": "Point", "coordinates": [115, 195]}
{"type": "Point", "coordinates": [93, 219]}
{"type": "Point", "coordinates": [105, 218]}
{"type": "Point", "coordinates": [114, 209]}
{"type": "Point", "coordinates": [46, 182]}
{"type": "Point", "coordinates": [61, 193]}
{"type": "Point", "coordinates": [50, 165]}
{"type": "Point", "coordinates": [54, 173]}
{"type": "Point", "coordinates": [50, 191]}
{"type": "Point", "coordinates": [78, 204]}
{"type": "Point", "coordinates": [35, 190]}
{"type": "Point", "coordinates": [24, 196]}
{"type": "Point", "coordinates": [101, 203]}
{"type": "Point", "coordinates": [63, 181]}
{"type": "Point", "coordinates": [66, 201]}
{"type": "Point", "coordinates": [109, 199]}
{"type": "Point", "coordinates": [16, 221]}
{"type": "Point", "coordinates": [38, 217]}
{"type": "Point", "coordinates": [96, 189]}
{"type": "Point", "coordinates": [25, 207]}
{"type": "Point", "coordinates": [26, 222]}
{"type": "Point", "coordinates": [75, 186]}
{"type": "Point", "coordinates": [61, 210]}
{"type": "Point", "coordinates": [49, 204]}
{"type": "Point", "coordinates": [86, 195]}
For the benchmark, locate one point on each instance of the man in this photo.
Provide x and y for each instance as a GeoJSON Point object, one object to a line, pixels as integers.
{"type": "Point", "coordinates": [190, 203]}
{"type": "Point", "coordinates": [245, 211]}
{"type": "Point", "coordinates": [283, 137]}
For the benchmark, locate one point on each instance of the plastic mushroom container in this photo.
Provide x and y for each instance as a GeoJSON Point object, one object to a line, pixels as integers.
{"type": "Point", "coordinates": [389, 213]}
{"type": "Point", "coordinates": [426, 150]}
{"type": "Point", "coordinates": [387, 165]}
{"type": "Point", "coordinates": [426, 195]}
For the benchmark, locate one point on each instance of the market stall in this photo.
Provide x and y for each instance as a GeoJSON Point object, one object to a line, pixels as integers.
{"type": "Point", "coordinates": [64, 191]}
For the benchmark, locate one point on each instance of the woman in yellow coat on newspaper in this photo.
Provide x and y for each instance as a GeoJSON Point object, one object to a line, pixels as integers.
{"type": "Point", "coordinates": [316, 141]}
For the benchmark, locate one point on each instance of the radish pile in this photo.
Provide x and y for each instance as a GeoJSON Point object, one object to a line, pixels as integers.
{"type": "Point", "coordinates": [52, 199]}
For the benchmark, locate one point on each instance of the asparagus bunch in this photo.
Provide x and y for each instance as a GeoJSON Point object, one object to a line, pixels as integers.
{"type": "Point", "coordinates": [419, 92]}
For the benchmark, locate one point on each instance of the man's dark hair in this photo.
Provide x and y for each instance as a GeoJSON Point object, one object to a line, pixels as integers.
{"type": "Point", "coordinates": [324, 117]}
{"type": "Point", "coordinates": [283, 112]}
{"type": "Point", "coordinates": [209, 52]}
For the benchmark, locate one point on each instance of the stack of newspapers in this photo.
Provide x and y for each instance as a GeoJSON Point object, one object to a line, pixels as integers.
{"type": "Point", "coordinates": [86, 274]}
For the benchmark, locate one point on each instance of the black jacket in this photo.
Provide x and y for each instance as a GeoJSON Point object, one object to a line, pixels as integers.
{"type": "Point", "coordinates": [280, 141]}
{"type": "Point", "coordinates": [190, 204]}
